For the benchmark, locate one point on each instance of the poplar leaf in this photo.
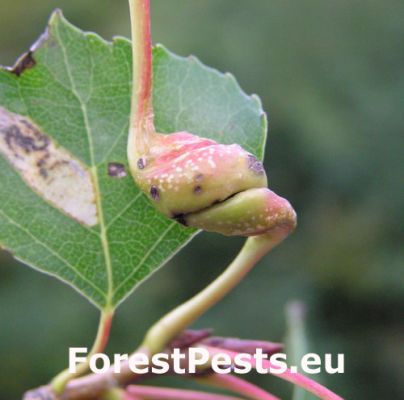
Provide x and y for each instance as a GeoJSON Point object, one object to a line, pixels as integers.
{"type": "Point", "coordinates": [68, 205]}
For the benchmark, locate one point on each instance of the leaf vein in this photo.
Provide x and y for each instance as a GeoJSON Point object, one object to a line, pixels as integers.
{"type": "Point", "coordinates": [103, 232]}
{"type": "Point", "coordinates": [146, 256]}
{"type": "Point", "coordinates": [51, 251]}
{"type": "Point", "coordinates": [126, 208]}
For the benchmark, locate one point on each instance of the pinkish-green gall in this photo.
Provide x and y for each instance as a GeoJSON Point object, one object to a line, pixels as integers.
{"type": "Point", "coordinates": [211, 186]}
{"type": "Point", "coordinates": [183, 173]}
{"type": "Point", "coordinates": [251, 212]}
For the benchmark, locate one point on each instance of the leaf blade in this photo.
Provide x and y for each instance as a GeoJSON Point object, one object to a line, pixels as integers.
{"type": "Point", "coordinates": [77, 92]}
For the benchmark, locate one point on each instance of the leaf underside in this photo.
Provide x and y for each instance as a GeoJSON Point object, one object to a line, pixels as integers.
{"type": "Point", "coordinates": [68, 207]}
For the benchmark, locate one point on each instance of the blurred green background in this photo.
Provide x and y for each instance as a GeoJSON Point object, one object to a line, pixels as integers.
{"type": "Point", "coordinates": [330, 75]}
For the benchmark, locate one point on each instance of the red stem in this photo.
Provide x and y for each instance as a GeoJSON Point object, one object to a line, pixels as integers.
{"type": "Point", "coordinates": [142, 55]}
{"type": "Point", "coordinates": [153, 393]}
{"type": "Point", "coordinates": [106, 332]}
{"type": "Point", "coordinates": [238, 385]}
{"type": "Point", "coordinates": [141, 124]}
{"type": "Point", "coordinates": [104, 328]}
{"type": "Point", "coordinates": [297, 379]}
{"type": "Point", "coordinates": [128, 396]}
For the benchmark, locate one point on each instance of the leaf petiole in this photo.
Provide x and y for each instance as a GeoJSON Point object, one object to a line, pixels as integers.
{"type": "Point", "coordinates": [173, 323]}
{"type": "Point", "coordinates": [60, 381]}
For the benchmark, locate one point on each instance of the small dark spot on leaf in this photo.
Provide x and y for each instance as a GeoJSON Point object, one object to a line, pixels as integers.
{"type": "Point", "coordinates": [180, 218]}
{"type": "Point", "coordinates": [197, 189]}
{"type": "Point", "coordinates": [141, 163]}
{"type": "Point", "coordinates": [154, 193]}
{"type": "Point", "coordinates": [255, 165]}
{"type": "Point", "coordinates": [116, 170]}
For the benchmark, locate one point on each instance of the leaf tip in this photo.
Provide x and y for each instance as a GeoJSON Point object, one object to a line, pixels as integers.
{"type": "Point", "coordinates": [57, 14]}
{"type": "Point", "coordinates": [160, 50]}
{"type": "Point", "coordinates": [257, 100]}
{"type": "Point", "coordinates": [230, 77]}
{"type": "Point", "coordinates": [57, 18]}
{"type": "Point", "coordinates": [118, 40]}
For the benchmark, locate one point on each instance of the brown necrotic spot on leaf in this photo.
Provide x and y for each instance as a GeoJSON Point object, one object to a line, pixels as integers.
{"type": "Point", "coordinates": [48, 169]}
{"type": "Point", "coordinates": [116, 170]}
{"type": "Point", "coordinates": [26, 61]}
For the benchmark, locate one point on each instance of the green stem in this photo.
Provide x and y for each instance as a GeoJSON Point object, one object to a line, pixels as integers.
{"type": "Point", "coordinates": [114, 394]}
{"type": "Point", "coordinates": [296, 341]}
{"type": "Point", "coordinates": [168, 327]}
{"type": "Point", "coordinates": [104, 326]}
{"type": "Point", "coordinates": [141, 128]}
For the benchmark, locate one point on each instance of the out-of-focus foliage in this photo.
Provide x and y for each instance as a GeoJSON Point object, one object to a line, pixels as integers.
{"type": "Point", "coordinates": [330, 74]}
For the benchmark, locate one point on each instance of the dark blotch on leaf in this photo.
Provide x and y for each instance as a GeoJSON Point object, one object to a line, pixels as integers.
{"type": "Point", "coordinates": [116, 170]}
{"type": "Point", "coordinates": [14, 136]}
{"type": "Point", "coordinates": [26, 61]}
{"type": "Point", "coordinates": [197, 189]}
{"type": "Point", "coordinates": [180, 218]}
{"type": "Point", "coordinates": [154, 193]}
{"type": "Point", "coordinates": [255, 165]}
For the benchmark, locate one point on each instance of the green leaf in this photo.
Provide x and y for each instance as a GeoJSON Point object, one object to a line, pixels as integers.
{"type": "Point", "coordinates": [67, 205]}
